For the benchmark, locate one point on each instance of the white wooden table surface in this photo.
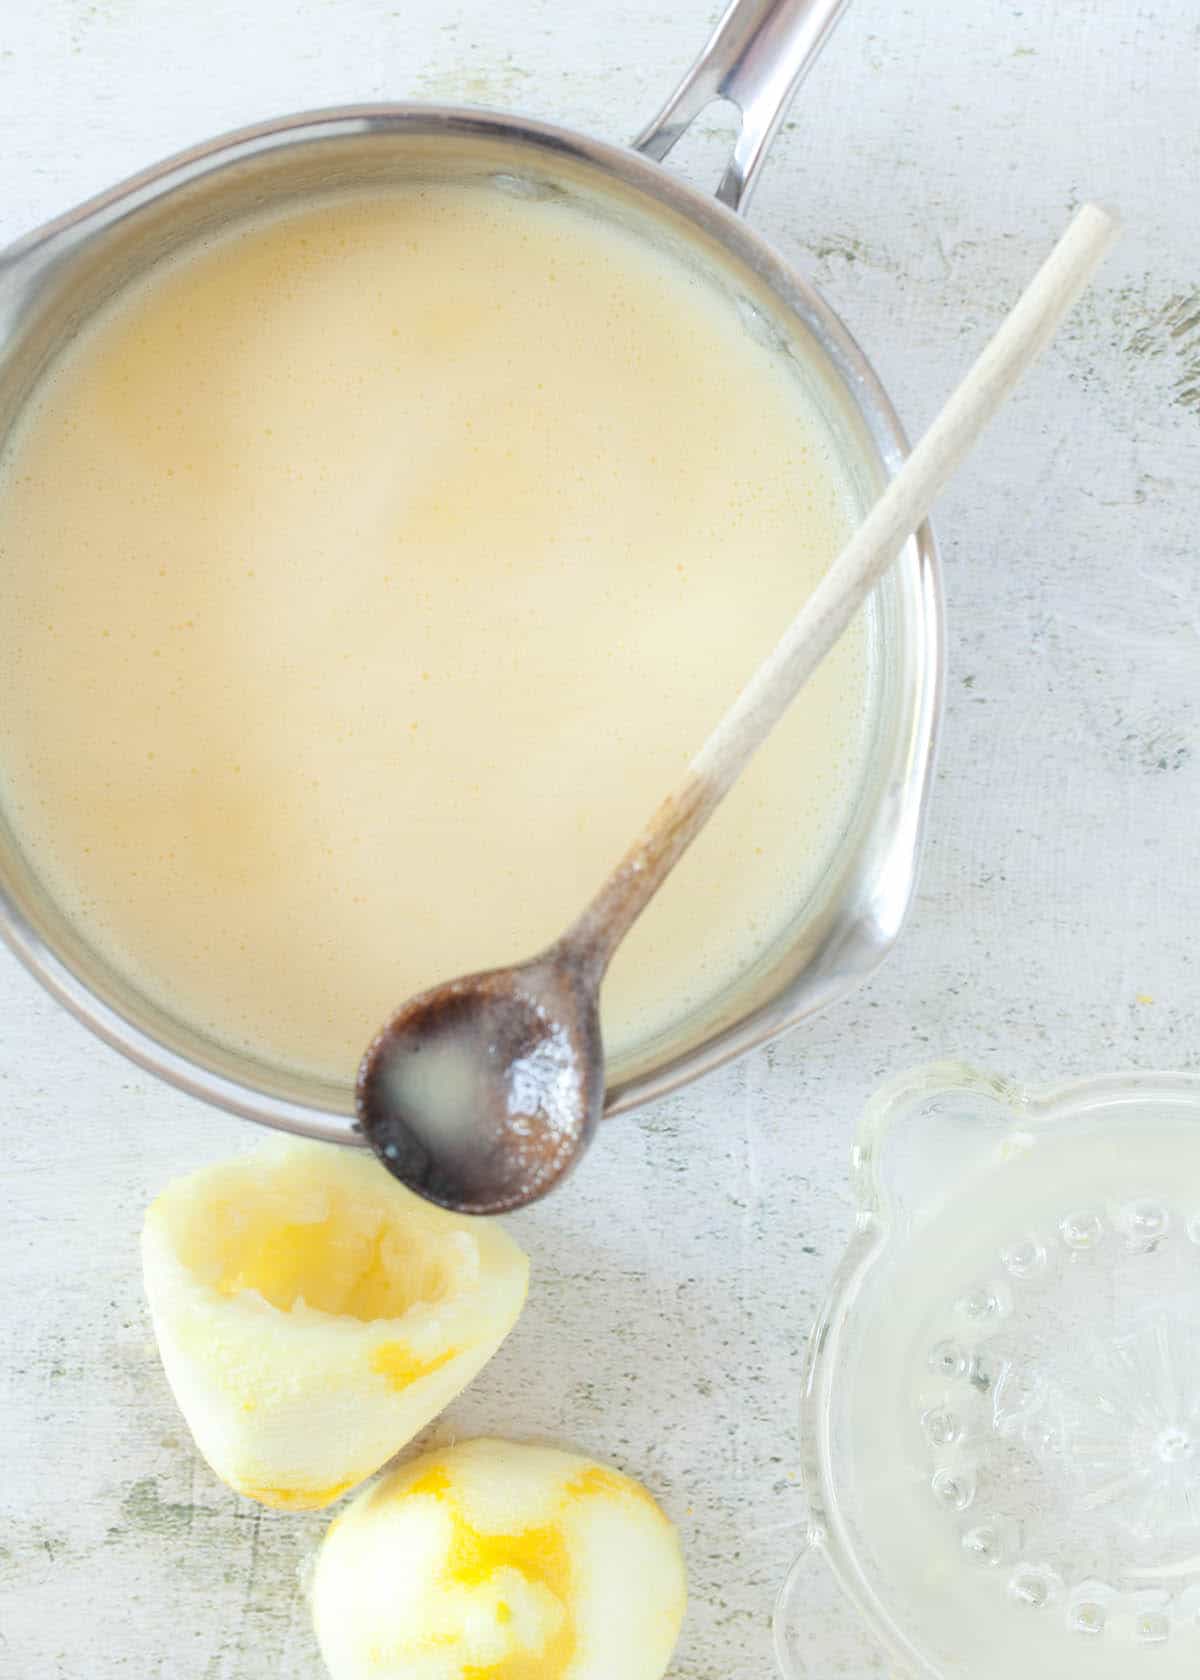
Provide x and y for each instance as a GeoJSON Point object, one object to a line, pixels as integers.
{"type": "Point", "coordinates": [933, 157]}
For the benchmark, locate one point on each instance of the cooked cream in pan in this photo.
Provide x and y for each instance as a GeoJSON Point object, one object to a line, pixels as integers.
{"type": "Point", "coordinates": [369, 573]}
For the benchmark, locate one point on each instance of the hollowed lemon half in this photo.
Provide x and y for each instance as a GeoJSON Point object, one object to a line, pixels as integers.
{"type": "Point", "coordinates": [491, 1561]}
{"type": "Point", "coordinates": [313, 1315]}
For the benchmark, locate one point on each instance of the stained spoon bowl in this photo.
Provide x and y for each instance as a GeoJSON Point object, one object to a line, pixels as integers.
{"type": "Point", "coordinates": [481, 1094]}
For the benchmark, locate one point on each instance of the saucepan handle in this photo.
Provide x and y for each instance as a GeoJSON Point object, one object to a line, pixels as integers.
{"type": "Point", "coordinates": [759, 54]}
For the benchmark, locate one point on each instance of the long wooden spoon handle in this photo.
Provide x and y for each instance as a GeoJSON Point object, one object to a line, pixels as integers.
{"type": "Point", "coordinates": [899, 511]}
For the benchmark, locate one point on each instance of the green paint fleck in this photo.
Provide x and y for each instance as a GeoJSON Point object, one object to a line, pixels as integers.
{"type": "Point", "coordinates": [143, 1508]}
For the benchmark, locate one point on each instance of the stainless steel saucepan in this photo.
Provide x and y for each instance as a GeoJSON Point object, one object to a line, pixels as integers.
{"type": "Point", "coordinates": [52, 281]}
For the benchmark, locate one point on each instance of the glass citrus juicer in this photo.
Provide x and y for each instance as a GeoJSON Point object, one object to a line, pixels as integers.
{"type": "Point", "coordinates": [1001, 1408]}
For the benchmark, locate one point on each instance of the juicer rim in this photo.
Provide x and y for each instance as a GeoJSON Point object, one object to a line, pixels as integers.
{"type": "Point", "coordinates": [1037, 1106]}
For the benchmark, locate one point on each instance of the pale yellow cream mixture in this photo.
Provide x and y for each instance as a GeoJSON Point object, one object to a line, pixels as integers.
{"type": "Point", "coordinates": [367, 577]}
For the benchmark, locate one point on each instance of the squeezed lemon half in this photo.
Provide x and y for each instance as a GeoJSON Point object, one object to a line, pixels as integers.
{"type": "Point", "coordinates": [313, 1315]}
{"type": "Point", "coordinates": [492, 1561]}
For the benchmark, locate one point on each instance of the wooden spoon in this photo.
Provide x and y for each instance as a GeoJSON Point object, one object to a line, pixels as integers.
{"type": "Point", "coordinates": [482, 1093]}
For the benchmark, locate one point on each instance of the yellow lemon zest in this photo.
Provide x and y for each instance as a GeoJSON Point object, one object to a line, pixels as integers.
{"type": "Point", "coordinates": [434, 1481]}
{"type": "Point", "coordinates": [539, 1554]}
{"type": "Point", "coordinates": [296, 1499]}
{"type": "Point", "coordinates": [401, 1366]}
{"type": "Point", "coordinates": [599, 1480]}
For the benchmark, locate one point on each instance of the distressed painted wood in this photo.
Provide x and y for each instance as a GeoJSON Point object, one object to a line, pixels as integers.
{"type": "Point", "coordinates": [933, 157]}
